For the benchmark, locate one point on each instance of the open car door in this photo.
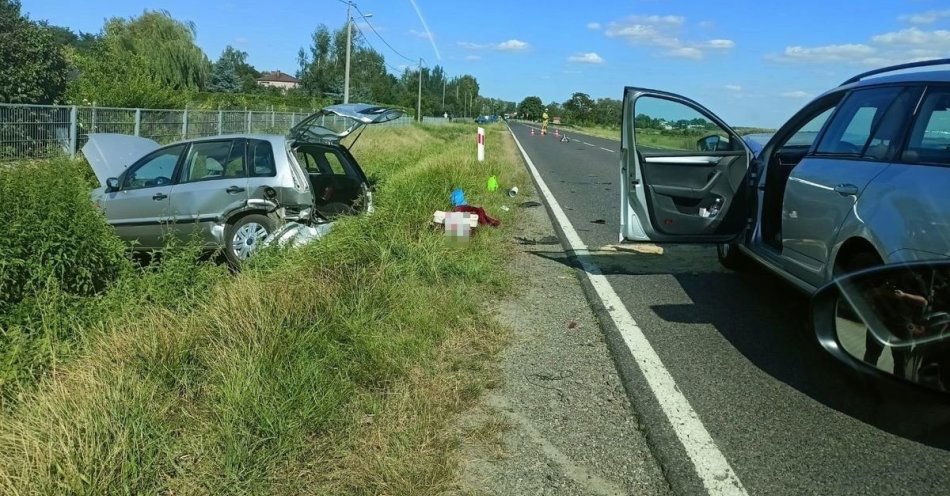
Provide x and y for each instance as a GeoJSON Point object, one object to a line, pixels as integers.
{"type": "Point", "coordinates": [333, 123]}
{"type": "Point", "coordinates": [685, 174]}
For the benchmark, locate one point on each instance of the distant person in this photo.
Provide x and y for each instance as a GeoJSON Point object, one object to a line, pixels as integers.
{"type": "Point", "coordinates": [544, 122]}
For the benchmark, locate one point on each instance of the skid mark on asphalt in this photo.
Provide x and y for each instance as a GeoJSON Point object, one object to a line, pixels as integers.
{"type": "Point", "coordinates": [577, 473]}
{"type": "Point", "coordinates": [709, 462]}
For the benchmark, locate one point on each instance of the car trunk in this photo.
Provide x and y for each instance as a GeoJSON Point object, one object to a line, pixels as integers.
{"type": "Point", "coordinates": [338, 183]}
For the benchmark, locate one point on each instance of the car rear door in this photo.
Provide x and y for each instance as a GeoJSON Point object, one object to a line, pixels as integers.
{"type": "Point", "coordinates": [679, 184]}
{"type": "Point", "coordinates": [211, 182]}
{"type": "Point", "coordinates": [858, 143]}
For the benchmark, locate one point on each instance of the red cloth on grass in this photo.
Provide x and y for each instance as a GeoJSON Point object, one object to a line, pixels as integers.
{"type": "Point", "coordinates": [483, 217]}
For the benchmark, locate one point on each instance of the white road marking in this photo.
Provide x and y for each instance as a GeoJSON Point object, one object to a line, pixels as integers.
{"type": "Point", "coordinates": [588, 144]}
{"type": "Point", "coordinates": [607, 149]}
{"type": "Point", "coordinates": [710, 464]}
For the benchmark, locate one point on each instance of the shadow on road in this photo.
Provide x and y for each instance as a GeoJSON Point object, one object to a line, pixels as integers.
{"type": "Point", "coordinates": [768, 322]}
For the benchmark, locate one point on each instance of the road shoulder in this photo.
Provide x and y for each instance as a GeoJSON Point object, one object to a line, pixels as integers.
{"type": "Point", "coordinates": [561, 422]}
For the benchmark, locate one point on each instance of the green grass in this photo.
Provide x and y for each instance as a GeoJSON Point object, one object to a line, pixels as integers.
{"type": "Point", "coordinates": [330, 369]}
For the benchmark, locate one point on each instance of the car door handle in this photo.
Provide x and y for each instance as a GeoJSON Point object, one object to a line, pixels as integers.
{"type": "Point", "coordinates": [846, 189]}
{"type": "Point", "coordinates": [159, 196]}
{"type": "Point", "coordinates": [235, 189]}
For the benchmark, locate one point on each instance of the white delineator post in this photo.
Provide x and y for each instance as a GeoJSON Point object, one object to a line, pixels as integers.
{"type": "Point", "coordinates": [481, 144]}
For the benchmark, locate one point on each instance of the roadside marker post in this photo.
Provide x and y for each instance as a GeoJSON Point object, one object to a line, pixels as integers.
{"type": "Point", "coordinates": [481, 144]}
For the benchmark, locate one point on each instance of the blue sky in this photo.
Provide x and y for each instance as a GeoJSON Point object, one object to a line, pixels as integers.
{"type": "Point", "coordinates": [753, 63]}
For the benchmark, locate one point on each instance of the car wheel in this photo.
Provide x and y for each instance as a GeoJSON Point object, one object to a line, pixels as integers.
{"type": "Point", "coordinates": [731, 257]}
{"type": "Point", "coordinates": [245, 236]}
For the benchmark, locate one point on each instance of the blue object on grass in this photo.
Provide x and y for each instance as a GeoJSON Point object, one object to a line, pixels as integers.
{"type": "Point", "coordinates": [458, 197]}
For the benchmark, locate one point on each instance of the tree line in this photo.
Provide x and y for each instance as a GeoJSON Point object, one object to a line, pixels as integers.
{"type": "Point", "coordinates": [153, 61]}
{"type": "Point", "coordinates": [579, 109]}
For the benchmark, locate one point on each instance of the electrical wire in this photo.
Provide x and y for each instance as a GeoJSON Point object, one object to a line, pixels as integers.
{"type": "Point", "coordinates": [365, 19]}
{"type": "Point", "coordinates": [394, 69]}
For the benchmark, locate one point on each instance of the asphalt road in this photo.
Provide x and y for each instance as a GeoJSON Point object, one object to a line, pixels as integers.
{"type": "Point", "coordinates": [788, 419]}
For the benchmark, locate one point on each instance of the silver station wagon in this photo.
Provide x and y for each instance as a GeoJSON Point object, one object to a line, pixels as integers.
{"type": "Point", "coordinates": [858, 177]}
{"type": "Point", "coordinates": [232, 191]}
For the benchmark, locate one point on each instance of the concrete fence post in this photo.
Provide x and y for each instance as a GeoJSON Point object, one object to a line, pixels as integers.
{"type": "Point", "coordinates": [92, 123]}
{"type": "Point", "coordinates": [220, 122]}
{"type": "Point", "coordinates": [249, 114]}
{"type": "Point", "coordinates": [273, 117]}
{"type": "Point", "coordinates": [184, 125]}
{"type": "Point", "coordinates": [138, 122]}
{"type": "Point", "coordinates": [73, 131]}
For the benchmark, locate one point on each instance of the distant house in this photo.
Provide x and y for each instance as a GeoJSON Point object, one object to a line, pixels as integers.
{"type": "Point", "coordinates": [277, 79]}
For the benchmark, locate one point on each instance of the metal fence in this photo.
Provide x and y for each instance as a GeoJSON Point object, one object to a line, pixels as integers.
{"type": "Point", "coordinates": [39, 131]}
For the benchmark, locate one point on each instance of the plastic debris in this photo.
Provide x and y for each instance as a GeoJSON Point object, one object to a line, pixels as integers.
{"type": "Point", "coordinates": [296, 234]}
{"type": "Point", "coordinates": [513, 192]}
{"type": "Point", "coordinates": [505, 208]}
{"type": "Point", "coordinates": [457, 197]}
{"type": "Point", "coordinates": [492, 183]}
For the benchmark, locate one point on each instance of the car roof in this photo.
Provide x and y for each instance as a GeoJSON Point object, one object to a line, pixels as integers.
{"type": "Point", "coordinates": [906, 77]}
{"type": "Point", "coordinates": [265, 137]}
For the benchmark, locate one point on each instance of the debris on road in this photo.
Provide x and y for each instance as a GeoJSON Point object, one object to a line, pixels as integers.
{"type": "Point", "coordinates": [598, 221]}
{"type": "Point", "coordinates": [529, 204]}
{"type": "Point", "coordinates": [572, 324]}
{"type": "Point", "coordinates": [648, 248]}
{"type": "Point", "coordinates": [513, 192]}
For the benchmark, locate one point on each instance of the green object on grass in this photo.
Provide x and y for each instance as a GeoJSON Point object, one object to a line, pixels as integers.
{"type": "Point", "coordinates": [493, 183]}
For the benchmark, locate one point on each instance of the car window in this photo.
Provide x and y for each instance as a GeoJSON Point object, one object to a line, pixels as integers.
{"type": "Point", "coordinates": [850, 131]}
{"type": "Point", "coordinates": [155, 169]}
{"type": "Point", "coordinates": [662, 125]}
{"type": "Point", "coordinates": [930, 137]}
{"type": "Point", "coordinates": [213, 160]}
{"type": "Point", "coordinates": [336, 165]}
{"type": "Point", "coordinates": [262, 158]}
{"type": "Point", "coordinates": [887, 135]}
{"type": "Point", "coordinates": [807, 134]}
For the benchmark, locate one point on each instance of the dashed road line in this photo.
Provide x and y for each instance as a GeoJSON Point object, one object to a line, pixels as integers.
{"type": "Point", "coordinates": [711, 465]}
{"type": "Point", "coordinates": [607, 149]}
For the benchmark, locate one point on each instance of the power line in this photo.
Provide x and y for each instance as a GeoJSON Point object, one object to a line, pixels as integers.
{"type": "Point", "coordinates": [394, 69]}
{"type": "Point", "coordinates": [365, 19]}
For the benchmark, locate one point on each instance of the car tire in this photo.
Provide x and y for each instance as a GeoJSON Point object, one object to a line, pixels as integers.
{"type": "Point", "coordinates": [244, 236]}
{"type": "Point", "coordinates": [731, 257]}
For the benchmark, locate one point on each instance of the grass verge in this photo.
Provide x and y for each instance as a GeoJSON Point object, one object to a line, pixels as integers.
{"type": "Point", "coordinates": [330, 369]}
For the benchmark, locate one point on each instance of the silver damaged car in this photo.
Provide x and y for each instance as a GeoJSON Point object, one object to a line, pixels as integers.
{"type": "Point", "coordinates": [233, 191]}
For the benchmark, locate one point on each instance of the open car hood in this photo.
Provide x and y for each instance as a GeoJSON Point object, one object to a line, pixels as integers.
{"type": "Point", "coordinates": [336, 122]}
{"type": "Point", "coordinates": [110, 154]}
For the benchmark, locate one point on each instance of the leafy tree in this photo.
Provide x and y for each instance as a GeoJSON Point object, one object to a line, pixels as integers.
{"type": "Point", "coordinates": [148, 61]}
{"type": "Point", "coordinates": [224, 75]}
{"type": "Point", "coordinates": [33, 68]}
{"type": "Point", "coordinates": [531, 107]}
{"type": "Point", "coordinates": [579, 107]}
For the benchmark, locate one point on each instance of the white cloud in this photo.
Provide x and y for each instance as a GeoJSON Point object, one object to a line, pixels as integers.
{"type": "Point", "coordinates": [826, 53]}
{"type": "Point", "coordinates": [719, 43]}
{"type": "Point", "coordinates": [795, 94]}
{"type": "Point", "coordinates": [512, 46]}
{"type": "Point", "coordinates": [505, 46]}
{"type": "Point", "coordinates": [928, 17]}
{"type": "Point", "coordinates": [595, 26]}
{"type": "Point", "coordinates": [733, 87]}
{"type": "Point", "coordinates": [473, 58]}
{"type": "Point", "coordinates": [586, 58]}
{"type": "Point", "coordinates": [685, 53]}
{"type": "Point", "coordinates": [706, 24]}
{"type": "Point", "coordinates": [906, 45]}
{"type": "Point", "coordinates": [914, 36]}
{"type": "Point", "coordinates": [420, 34]}
{"type": "Point", "coordinates": [663, 32]}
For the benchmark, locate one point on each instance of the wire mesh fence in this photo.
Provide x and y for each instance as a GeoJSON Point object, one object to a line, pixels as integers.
{"type": "Point", "coordinates": [41, 131]}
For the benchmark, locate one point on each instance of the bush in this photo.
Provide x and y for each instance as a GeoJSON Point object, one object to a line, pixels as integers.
{"type": "Point", "coordinates": [53, 235]}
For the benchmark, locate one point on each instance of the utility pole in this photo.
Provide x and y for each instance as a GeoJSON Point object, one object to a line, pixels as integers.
{"type": "Point", "coordinates": [419, 98]}
{"type": "Point", "coordinates": [443, 93]}
{"type": "Point", "coordinates": [349, 41]}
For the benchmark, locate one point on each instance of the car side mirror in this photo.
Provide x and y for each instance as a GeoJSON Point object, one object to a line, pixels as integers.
{"type": "Point", "coordinates": [891, 323]}
{"type": "Point", "coordinates": [708, 143]}
{"type": "Point", "coordinates": [112, 184]}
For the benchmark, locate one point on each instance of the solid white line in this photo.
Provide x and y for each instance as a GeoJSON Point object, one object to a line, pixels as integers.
{"type": "Point", "coordinates": [710, 464]}
{"type": "Point", "coordinates": [607, 149]}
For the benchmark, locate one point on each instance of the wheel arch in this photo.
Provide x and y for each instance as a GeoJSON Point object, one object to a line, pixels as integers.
{"type": "Point", "coordinates": [851, 248]}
